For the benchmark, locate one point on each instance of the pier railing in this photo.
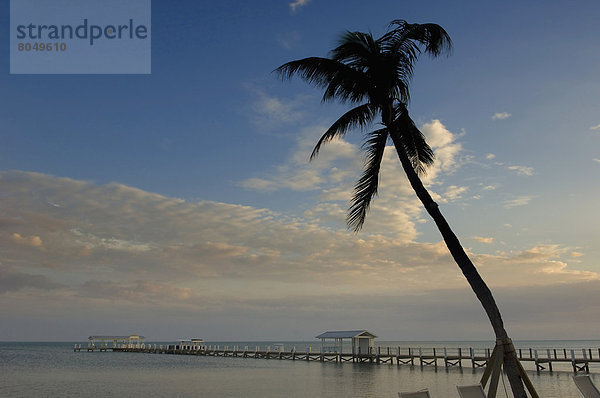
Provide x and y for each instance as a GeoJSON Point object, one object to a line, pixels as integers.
{"type": "Point", "coordinates": [579, 359]}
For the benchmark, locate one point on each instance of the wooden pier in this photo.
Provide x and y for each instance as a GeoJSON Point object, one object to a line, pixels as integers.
{"type": "Point", "coordinates": [543, 359]}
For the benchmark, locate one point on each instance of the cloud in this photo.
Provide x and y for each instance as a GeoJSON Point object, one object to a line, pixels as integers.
{"type": "Point", "coordinates": [298, 174]}
{"type": "Point", "coordinates": [597, 160]}
{"type": "Point", "coordinates": [483, 239]}
{"type": "Point", "coordinates": [296, 4]}
{"type": "Point", "coordinates": [518, 201]}
{"type": "Point", "coordinates": [454, 192]}
{"type": "Point", "coordinates": [288, 40]}
{"type": "Point", "coordinates": [33, 241]}
{"type": "Point", "coordinates": [447, 150]}
{"type": "Point", "coordinates": [161, 257]}
{"type": "Point", "coordinates": [522, 170]}
{"type": "Point", "coordinates": [13, 280]}
{"type": "Point", "coordinates": [146, 291]}
{"type": "Point", "coordinates": [269, 112]}
{"type": "Point", "coordinates": [334, 172]}
{"type": "Point", "coordinates": [490, 156]}
{"type": "Point", "coordinates": [596, 127]}
{"type": "Point", "coordinates": [500, 116]}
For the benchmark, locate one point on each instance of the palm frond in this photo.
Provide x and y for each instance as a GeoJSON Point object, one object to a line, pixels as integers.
{"type": "Point", "coordinates": [315, 70]}
{"type": "Point", "coordinates": [356, 49]}
{"type": "Point", "coordinates": [361, 116]}
{"type": "Point", "coordinates": [339, 80]}
{"type": "Point", "coordinates": [366, 187]}
{"type": "Point", "coordinates": [347, 90]}
{"type": "Point", "coordinates": [413, 141]}
{"type": "Point", "coordinates": [432, 36]}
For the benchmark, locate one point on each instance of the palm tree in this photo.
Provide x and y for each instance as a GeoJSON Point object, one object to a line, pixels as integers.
{"type": "Point", "coordinates": [374, 75]}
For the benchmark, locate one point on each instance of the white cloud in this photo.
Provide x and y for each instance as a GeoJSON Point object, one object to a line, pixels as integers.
{"type": "Point", "coordinates": [334, 172]}
{"type": "Point", "coordinates": [500, 116]}
{"type": "Point", "coordinates": [490, 156]}
{"type": "Point", "coordinates": [597, 160]}
{"type": "Point", "coordinates": [337, 163]}
{"type": "Point", "coordinates": [596, 127]}
{"type": "Point", "coordinates": [446, 149]}
{"type": "Point", "coordinates": [518, 201]}
{"type": "Point", "coordinates": [522, 170]}
{"type": "Point", "coordinates": [297, 4]}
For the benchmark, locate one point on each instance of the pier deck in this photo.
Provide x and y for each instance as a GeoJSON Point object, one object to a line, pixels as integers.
{"type": "Point", "coordinates": [579, 359]}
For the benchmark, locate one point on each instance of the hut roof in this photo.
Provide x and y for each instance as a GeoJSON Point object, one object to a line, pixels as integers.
{"type": "Point", "coordinates": [346, 334]}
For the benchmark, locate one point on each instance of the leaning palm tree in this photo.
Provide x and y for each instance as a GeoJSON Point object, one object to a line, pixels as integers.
{"type": "Point", "coordinates": [374, 75]}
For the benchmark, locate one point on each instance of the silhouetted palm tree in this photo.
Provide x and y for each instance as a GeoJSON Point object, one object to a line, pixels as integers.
{"type": "Point", "coordinates": [375, 75]}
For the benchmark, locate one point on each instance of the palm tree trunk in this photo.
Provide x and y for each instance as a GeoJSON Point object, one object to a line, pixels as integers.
{"type": "Point", "coordinates": [481, 290]}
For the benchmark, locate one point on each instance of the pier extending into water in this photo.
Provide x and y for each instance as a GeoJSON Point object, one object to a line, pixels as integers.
{"type": "Point", "coordinates": [579, 359]}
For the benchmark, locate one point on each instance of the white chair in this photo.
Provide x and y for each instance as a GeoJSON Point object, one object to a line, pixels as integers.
{"type": "Point", "coordinates": [586, 386]}
{"type": "Point", "coordinates": [417, 394]}
{"type": "Point", "coordinates": [472, 391]}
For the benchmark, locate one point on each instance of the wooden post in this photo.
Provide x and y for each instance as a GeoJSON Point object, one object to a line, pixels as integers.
{"type": "Point", "coordinates": [586, 363]}
{"type": "Point", "coordinates": [445, 357]}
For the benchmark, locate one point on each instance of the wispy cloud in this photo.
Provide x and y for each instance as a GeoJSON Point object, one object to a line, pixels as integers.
{"type": "Point", "coordinates": [454, 192]}
{"type": "Point", "coordinates": [597, 160]}
{"type": "Point", "coordinates": [596, 127]}
{"type": "Point", "coordinates": [269, 112]}
{"type": "Point", "coordinates": [295, 5]}
{"type": "Point", "coordinates": [490, 156]}
{"type": "Point", "coordinates": [518, 201]}
{"type": "Point", "coordinates": [482, 239]}
{"type": "Point", "coordinates": [522, 170]}
{"type": "Point", "coordinates": [288, 40]}
{"type": "Point", "coordinates": [500, 116]}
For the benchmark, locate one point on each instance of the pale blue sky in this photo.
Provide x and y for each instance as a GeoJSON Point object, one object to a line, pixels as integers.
{"type": "Point", "coordinates": [189, 190]}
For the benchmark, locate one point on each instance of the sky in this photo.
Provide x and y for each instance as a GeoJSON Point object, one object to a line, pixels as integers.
{"type": "Point", "coordinates": [182, 203]}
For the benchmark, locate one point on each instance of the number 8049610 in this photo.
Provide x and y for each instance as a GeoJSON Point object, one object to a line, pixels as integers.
{"type": "Point", "coordinates": [42, 47]}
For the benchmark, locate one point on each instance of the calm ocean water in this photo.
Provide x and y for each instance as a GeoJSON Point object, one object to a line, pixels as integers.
{"type": "Point", "coordinates": [54, 370]}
